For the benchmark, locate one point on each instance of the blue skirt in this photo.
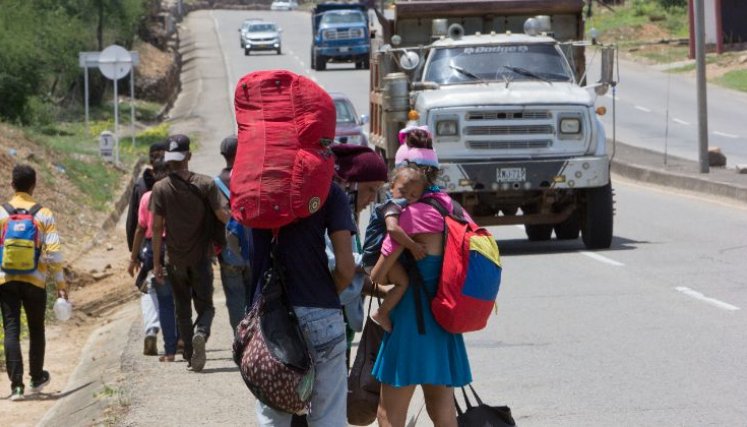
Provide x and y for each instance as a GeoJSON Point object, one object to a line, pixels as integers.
{"type": "Point", "coordinates": [408, 358]}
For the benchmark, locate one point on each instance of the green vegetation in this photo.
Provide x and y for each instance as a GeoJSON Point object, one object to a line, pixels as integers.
{"type": "Point", "coordinates": [669, 16]}
{"type": "Point", "coordinates": [736, 79]}
{"type": "Point", "coordinates": [39, 45]}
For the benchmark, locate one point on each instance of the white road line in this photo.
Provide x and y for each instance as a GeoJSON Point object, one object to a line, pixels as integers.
{"type": "Point", "coordinates": [682, 122]}
{"type": "Point", "coordinates": [603, 259]}
{"type": "Point", "coordinates": [301, 62]}
{"type": "Point", "coordinates": [229, 78]}
{"type": "Point", "coordinates": [697, 295]}
{"type": "Point", "coordinates": [308, 71]}
{"type": "Point", "coordinates": [726, 135]}
{"type": "Point", "coordinates": [644, 109]}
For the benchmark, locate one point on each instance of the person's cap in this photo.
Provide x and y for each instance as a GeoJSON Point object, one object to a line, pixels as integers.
{"type": "Point", "coordinates": [177, 147]}
{"type": "Point", "coordinates": [158, 146]}
{"type": "Point", "coordinates": [355, 163]}
{"type": "Point", "coordinates": [228, 146]}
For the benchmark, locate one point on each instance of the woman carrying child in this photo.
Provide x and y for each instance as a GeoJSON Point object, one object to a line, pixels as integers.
{"type": "Point", "coordinates": [436, 360]}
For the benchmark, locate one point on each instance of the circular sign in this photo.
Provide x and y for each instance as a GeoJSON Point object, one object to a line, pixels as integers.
{"type": "Point", "coordinates": [115, 62]}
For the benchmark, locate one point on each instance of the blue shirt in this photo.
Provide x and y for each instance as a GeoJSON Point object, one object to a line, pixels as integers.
{"type": "Point", "coordinates": [302, 252]}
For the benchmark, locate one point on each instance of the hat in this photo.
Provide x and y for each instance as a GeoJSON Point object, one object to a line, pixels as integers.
{"type": "Point", "coordinates": [158, 146]}
{"type": "Point", "coordinates": [177, 147]}
{"type": "Point", "coordinates": [228, 146]}
{"type": "Point", "coordinates": [416, 148]}
{"type": "Point", "coordinates": [355, 163]}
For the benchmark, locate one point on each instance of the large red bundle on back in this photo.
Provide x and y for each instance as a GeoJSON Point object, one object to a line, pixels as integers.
{"type": "Point", "coordinates": [283, 168]}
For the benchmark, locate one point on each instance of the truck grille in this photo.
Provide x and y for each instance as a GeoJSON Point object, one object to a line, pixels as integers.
{"type": "Point", "coordinates": [508, 115]}
{"type": "Point", "coordinates": [509, 130]}
{"type": "Point", "coordinates": [509, 145]}
{"type": "Point", "coordinates": [354, 33]}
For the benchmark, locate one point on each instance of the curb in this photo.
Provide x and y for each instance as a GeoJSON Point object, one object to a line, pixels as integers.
{"type": "Point", "coordinates": [680, 181]}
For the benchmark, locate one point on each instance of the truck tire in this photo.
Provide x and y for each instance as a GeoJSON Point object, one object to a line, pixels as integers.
{"type": "Point", "coordinates": [320, 64]}
{"type": "Point", "coordinates": [596, 229]}
{"type": "Point", "coordinates": [538, 232]}
{"type": "Point", "coordinates": [366, 63]}
{"type": "Point", "coordinates": [568, 229]}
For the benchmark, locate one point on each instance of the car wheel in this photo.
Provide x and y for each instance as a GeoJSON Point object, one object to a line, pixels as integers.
{"type": "Point", "coordinates": [247, 51]}
{"type": "Point", "coordinates": [280, 51]}
{"type": "Point", "coordinates": [366, 63]}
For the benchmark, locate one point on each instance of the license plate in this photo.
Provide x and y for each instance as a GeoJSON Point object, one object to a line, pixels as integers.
{"type": "Point", "coordinates": [344, 49]}
{"type": "Point", "coordinates": [511, 174]}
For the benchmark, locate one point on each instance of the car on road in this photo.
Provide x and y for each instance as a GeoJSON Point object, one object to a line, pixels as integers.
{"type": "Point", "coordinates": [262, 35]}
{"type": "Point", "coordinates": [244, 27]}
{"type": "Point", "coordinates": [349, 129]}
{"type": "Point", "coordinates": [284, 5]}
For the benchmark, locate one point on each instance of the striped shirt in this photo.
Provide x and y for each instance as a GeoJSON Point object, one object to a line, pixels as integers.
{"type": "Point", "coordinates": [50, 261]}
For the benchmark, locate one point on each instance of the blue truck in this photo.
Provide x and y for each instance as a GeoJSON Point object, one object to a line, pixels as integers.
{"type": "Point", "coordinates": [341, 34]}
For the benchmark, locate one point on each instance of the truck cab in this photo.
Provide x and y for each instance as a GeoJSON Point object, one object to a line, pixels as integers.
{"type": "Point", "coordinates": [518, 138]}
{"type": "Point", "coordinates": [341, 34]}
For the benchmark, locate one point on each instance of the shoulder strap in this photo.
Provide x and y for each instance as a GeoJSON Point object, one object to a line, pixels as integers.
{"type": "Point", "coordinates": [35, 209]}
{"type": "Point", "coordinates": [9, 208]}
{"type": "Point", "coordinates": [435, 204]}
{"type": "Point", "coordinates": [457, 212]}
{"type": "Point", "coordinates": [192, 187]}
{"type": "Point", "coordinates": [222, 187]}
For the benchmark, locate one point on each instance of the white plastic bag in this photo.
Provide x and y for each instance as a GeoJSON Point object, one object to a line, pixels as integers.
{"type": "Point", "coordinates": [63, 310]}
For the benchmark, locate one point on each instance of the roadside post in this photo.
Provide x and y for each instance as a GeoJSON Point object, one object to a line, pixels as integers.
{"type": "Point", "coordinates": [106, 145]}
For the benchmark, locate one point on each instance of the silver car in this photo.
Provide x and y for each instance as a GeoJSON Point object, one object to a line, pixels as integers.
{"type": "Point", "coordinates": [244, 27]}
{"type": "Point", "coordinates": [261, 35]}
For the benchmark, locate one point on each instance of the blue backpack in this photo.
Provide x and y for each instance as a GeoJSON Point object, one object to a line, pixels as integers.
{"type": "Point", "coordinates": [235, 230]}
{"type": "Point", "coordinates": [20, 241]}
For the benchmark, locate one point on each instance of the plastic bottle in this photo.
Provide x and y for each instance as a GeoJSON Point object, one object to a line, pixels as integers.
{"type": "Point", "coordinates": [63, 310]}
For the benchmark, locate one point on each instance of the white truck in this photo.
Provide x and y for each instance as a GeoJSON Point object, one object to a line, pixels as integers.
{"type": "Point", "coordinates": [499, 84]}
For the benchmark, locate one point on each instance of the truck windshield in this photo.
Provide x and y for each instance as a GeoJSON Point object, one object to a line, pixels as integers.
{"type": "Point", "coordinates": [343, 18]}
{"type": "Point", "coordinates": [490, 63]}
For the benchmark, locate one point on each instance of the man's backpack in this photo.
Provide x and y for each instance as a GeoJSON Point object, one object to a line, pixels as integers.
{"type": "Point", "coordinates": [284, 167]}
{"type": "Point", "coordinates": [236, 252]}
{"type": "Point", "coordinates": [20, 241]}
{"type": "Point", "coordinates": [470, 275]}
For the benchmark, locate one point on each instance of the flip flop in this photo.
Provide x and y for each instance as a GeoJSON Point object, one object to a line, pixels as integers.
{"type": "Point", "coordinates": [166, 358]}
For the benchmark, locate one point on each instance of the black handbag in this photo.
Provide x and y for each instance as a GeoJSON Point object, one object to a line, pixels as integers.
{"type": "Point", "coordinates": [363, 387]}
{"type": "Point", "coordinates": [271, 350]}
{"type": "Point", "coordinates": [482, 415]}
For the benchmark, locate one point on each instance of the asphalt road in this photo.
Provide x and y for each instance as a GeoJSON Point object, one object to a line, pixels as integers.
{"type": "Point", "coordinates": [649, 332]}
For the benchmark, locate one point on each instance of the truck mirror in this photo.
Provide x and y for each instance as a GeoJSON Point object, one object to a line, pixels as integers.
{"type": "Point", "coordinates": [608, 65]}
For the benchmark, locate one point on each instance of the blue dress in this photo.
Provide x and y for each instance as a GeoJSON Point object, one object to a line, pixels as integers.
{"type": "Point", "coordinates": [408, 358]}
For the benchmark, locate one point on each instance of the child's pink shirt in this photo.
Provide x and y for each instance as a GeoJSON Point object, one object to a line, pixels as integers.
{"type": "Point", "coordinates": [419, 218]}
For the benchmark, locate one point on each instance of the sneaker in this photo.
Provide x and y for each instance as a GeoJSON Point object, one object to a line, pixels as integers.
{"type": "Point", "coordinates": [150, 346]}
{"type": "Point", "coordinates": [197, 361]}
{"type": "Point", "coordinates": [37, 386]}
{"type": "Point", "coordinates": [16, 394]}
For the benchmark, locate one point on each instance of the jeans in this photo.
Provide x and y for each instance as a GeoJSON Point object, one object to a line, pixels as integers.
{"type": "Point", "coordinates": [325, 334]}
{"type": "Point", "coordinates": [34, 301]}
{"type": "Point", "coordinates": [192, 283]}
{"type": "Point", "coordinates": [149, 307]}
{"type": "Point", "coordinates": [167, 314]}
{"type": "Point", "coordinates": [236, 282]}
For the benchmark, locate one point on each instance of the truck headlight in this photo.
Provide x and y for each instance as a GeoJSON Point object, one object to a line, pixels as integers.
{"type": "Point", "coordinates": [447, 128]}
{"type": "Point", "coordinates": [329, 34]}
{"type": "Point", "coordinates": [570, 126]}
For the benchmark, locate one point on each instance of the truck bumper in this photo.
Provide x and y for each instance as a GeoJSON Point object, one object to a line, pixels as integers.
{"type": "Point", "coordinates": [343, 52]}
{"type": "Point", "coordinates": [523, 175]}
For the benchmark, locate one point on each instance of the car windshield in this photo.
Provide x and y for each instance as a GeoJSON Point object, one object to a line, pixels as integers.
{"type": "Point", "coordinates": [256, 28]}
{"type": "Point", "coordinates": [345, 113]}
{"type": "Point", "coordinates": [343, 18]}
{"type": "Point", "coordinates": [467, 64]}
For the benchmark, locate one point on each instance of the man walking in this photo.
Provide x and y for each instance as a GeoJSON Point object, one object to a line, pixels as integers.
{"type": "Point", "coordinates": [26, 287]}
{"type": "Point", "coordinates": [190, 206]}
{"type": "Point", "coordinates": [235, 268]}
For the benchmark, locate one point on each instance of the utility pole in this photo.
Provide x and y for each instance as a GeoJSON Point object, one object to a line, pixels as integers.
{"type": "Point", "coordinates": [701, 85]}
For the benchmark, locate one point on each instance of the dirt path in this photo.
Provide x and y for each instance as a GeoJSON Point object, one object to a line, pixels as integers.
{"type": "Point", "coordinates": [106, 287]}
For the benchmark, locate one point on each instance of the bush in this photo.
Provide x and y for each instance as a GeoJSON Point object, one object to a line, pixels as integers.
{"type": "Point", "coordinates": [669, 4]}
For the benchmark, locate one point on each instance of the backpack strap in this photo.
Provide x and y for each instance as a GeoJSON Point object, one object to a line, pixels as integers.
{"type": "Point", "coordinates": [222, 187]}
{"type": "Point", "coordinates": [32, 211]}
{"type": "Point", "coordinates": [9, 208]}
{"type": "Point", "coordinates": [35, 209]}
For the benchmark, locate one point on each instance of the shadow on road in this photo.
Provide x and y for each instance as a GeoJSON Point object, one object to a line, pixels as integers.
{"type": "Point", "coordinates": [514, 247]}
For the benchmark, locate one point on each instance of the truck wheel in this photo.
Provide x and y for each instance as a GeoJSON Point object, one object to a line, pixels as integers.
{"type": "Point", "coordinates": [358, 65]}
{"type": "Point", "coordinates": [366, 63]}
{"type": "Point", "coordinates": [320, 64]}
{"type": "Point", "coordinates": [538, 232]}
{"type": "Point", "coordinates": [597, 225]}
{"type": "Point", "coordinates": [568, 229]}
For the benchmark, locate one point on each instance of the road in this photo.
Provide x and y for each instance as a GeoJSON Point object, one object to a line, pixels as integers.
{"type": "Point", "coordinates": [649, 332]}
{"type": "Point", "coordinates": [659, 111]}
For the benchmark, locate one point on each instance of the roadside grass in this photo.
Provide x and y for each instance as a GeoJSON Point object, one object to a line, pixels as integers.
{"type": "Point", "coordinates": [76, 149]}
{"type": "Point", "coordinates": [635, 16]}
{"type": "Point", "coordinates": [736, 79]}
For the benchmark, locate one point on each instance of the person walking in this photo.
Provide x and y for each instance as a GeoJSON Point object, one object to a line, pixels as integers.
{"type": "Point", "coordinates": [235, 269]}
{"type": "Point", "coordinates": [141, 258]}
{"type": "Point", "coordinates": [28, 290]}
{"type": "Point", "coordinates": [189, 204]}
{"type": "Point", "coordinates": [313, 293]}
{"type": "Point", "coordinates": [149, 299]}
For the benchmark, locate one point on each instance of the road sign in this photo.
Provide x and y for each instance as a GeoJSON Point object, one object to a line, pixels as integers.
{"type": "Point", "coordinates": [106, 145]}
{"type": "Point", "coordinates": [115, 62]}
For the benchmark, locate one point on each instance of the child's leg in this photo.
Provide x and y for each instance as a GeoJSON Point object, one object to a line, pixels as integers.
{"type": "Point", "coordinates": [398, 277]}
